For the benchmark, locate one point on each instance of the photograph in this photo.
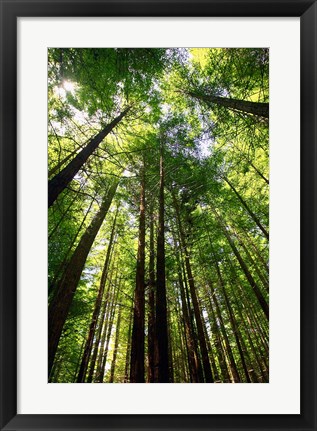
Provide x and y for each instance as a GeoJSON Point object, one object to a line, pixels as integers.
{"type": "Point", "coordinates": [158, 215]}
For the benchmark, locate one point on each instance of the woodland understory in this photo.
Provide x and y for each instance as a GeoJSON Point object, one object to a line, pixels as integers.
{"type": "Point", "coordinates": [158, 215]}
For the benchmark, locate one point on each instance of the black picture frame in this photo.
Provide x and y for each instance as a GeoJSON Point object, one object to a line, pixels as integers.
{"type": "Point", "coordinates": [10, 11]}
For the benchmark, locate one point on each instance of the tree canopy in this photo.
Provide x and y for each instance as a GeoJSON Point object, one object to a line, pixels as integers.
{"type": "Point", "coordinates": [158, 222]}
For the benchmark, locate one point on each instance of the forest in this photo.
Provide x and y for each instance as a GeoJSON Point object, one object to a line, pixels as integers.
{"type": "Point", "coordinates": [158, 215]}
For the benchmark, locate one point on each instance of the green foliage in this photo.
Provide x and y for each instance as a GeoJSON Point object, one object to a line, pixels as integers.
{"type": "Point", "coordinates": [205, 148]}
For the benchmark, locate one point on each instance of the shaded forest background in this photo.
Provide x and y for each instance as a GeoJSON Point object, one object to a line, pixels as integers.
{"type": "Point", "coordinates": [158, 195]}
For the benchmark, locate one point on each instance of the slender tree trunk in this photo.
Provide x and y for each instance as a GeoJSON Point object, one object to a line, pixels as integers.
{"type": "Point", "coordinates": [161, 353]}
{"type": "Point", "coordinates": [254, 108]}
{"type": "Point", "coordinates": [261, 276]}
{"type": "Point", "coordinates": [101, 321]}
{"type": "Point", "coordinates": [57, 184]}
{"type": "Point", "coordinates": [61, 163]}
{"type": "Point", "coordinates": [56, 226]}
{"type": "Point", "coordinates": [151, 317]}
{"type": "Point", "coordinates": [93, 324]}
{"type": "Point", "coordinates": [199, 323]}
{"type": "Point", "coordinates": [128, 353]}
{"type": "Point", "coordinates": [232, 320]}
{"type": "Point", "coordinates": [193, 357]}
{"type": "Point", "coordinates": [253, 284]}
{"type": "Point", "coordinates": [60, 305]}
{"type": "Point", "coordinates": [63, 264]}
{"type": "Point", "coordinates": [137, 347]}
{"type": "Point", "coordinates": [115, 348]}
{"type": "Point", "coordinates": [104, 354]}
{"type": "Point", "coordinates": [259, 173]}
{"type": "Point", "coordinates": [232, 362]}
{"type": "Point", "coordinates": [250, 212]}
{"type": "Point", "coordinates": [105, 325]}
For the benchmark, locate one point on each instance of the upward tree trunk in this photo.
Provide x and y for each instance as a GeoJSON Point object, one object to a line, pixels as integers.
{"type": "Point", "coordinates": [246, 206]}
{"type": "Point", "coordinates": [192, 353]}
{"type": "Point", "coordinates": [254, 108]}
{"type": "Point", "coordinates": [62, 300]}
{"type": "Point", "coordinates": [199, 323]}
{"type": "Point", "coordinates": [116, 344]}
{"type": "Point", "coordinates": [161, 347]}
{"type": "Point", "coordinates": [137, 347]}
{"type": "Point", "coordinates": [252, 282]}
{"type": "Point", "coordinates": [57, 184]}
{"type": "Point", "coordinates": [151, 317]}
{"type": "Point", "coordinates": [93, 324]}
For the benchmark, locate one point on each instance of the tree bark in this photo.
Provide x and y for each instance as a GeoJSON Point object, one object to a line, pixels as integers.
{"type": "Point", "coordinates": [161, 351]}
{"type": "Point", "coordinates": [254, 108]}
{"type": "Point", "coordinates": [115, 348]}
{"type": "Point", "coordinates": [60, 305]}
{"type": "Point", "coordinates": [253, 284]}
{"type": "Point", "coordinates": [137, 346]}
{"type": "Point", "coordinates": [128, 352]}
{"type": "Point", "coordinates": [250, 212]}
{"type": "Point", "coordinates": [57, 184]}
{"type": "Point", "coordinates": [95, 315]}
{"type": "Point", "coordinates": [193, 356]}
{"type": "Point", "coordinates": [199, 323]}
{"type": "Point", "coordinates": [151, 304]}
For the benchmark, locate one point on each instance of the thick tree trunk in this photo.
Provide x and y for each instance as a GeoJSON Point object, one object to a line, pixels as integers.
{"type": "Point", "coordinates": [254, 108]}
{"type": "Point", "coordinates": [161, 346]}
{"type": "Point", "coordinates": [57, 184]}
{"type": "Point", "coordinates": [137, 347]}
{"type": "Point", "coordinates": [250, 212]}
{"type": "Point", "coordinates": [62, 300]}
{"type": "Point", "coordinates": [95, 315]}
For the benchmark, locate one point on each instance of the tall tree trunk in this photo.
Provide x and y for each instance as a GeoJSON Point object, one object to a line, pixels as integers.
{"type": "Point", "coordinates": [115, 348]}
{"type": "Point", "coordinates": [128, 353]}
{"type": "Point", "coordinates": [64, 263]}
{"type": "Point", "coordinates": [259, 173]}
{"type": "Point", "coordinates": [250, 212]}
{"type": "Point", "coordinates": [57, 184]}
{"type": "Point", "coordinates": [104, 354]}
{"type": "Point", "coordinates": [232, 362]}
{"type": "Point", "coordinates": [93, 324]}
{"type": "Point", "coordinates": [193, 357]}
{"type": "Point", "coordinates": [232, 320]}
{"type": "Point", "coordinates": [57, 167]}
{"type": "Point", "coordinates": [254, 108]}
{"type": "Point", "coordinates": [100, 324]}
{"type": "Point", "coordinates": [252, 282]}
{"type": "Point", "coordinates": [56, 226]}
{"type": "Point", "coordinates": [161, 346]}
{"type": "Point", "coordinates": [190, 278]}
{"type": "Point", "coordinates": [151, 303]}
{"type": "Point", "coordinates": [137, 346]}
{"type": "Point", "coordinates": [60, 305]}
